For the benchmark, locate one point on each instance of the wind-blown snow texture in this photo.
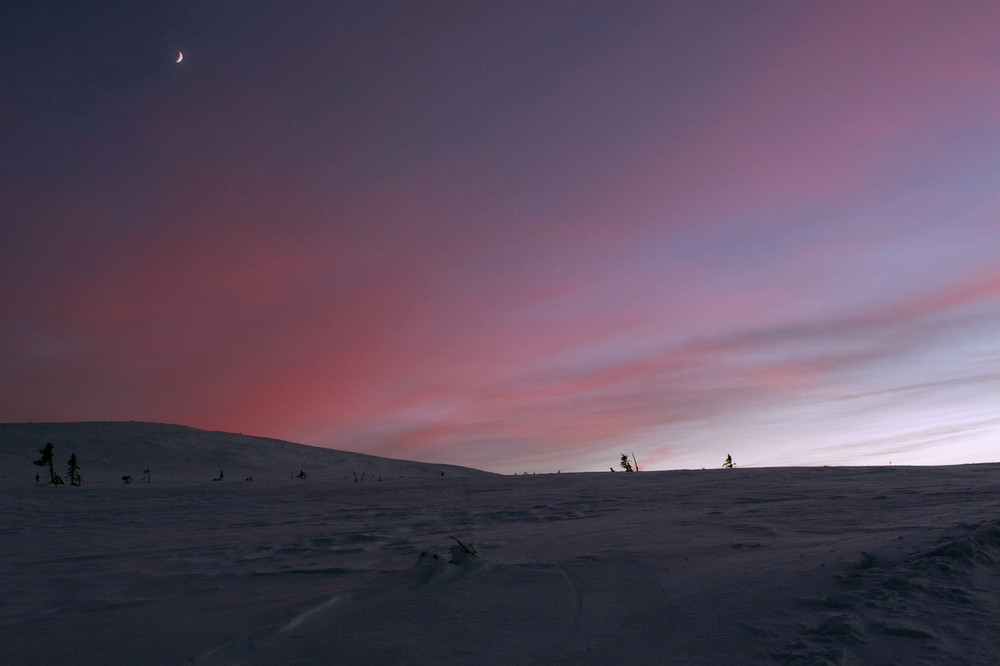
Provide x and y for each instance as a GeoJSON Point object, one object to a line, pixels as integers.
{"type": "Point", "coordinates": [881, 565]}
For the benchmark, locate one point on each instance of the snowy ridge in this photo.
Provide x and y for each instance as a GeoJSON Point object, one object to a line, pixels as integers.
{"type": "Point", "coordinates": [178, 454]}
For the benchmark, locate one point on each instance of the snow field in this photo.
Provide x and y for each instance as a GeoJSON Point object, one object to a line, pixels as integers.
{"type": "Point", "coordinates": [746, 566]}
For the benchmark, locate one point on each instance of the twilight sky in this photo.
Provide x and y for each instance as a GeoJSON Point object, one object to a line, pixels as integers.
{"type": "Point", "coordinates": [519, 236]}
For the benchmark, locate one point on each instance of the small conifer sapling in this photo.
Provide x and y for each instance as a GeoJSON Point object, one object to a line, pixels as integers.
{"type": "Point", "coordinates": [73, 471]}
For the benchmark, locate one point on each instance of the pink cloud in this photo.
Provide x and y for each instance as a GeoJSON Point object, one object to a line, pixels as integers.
{"type": "Point", "coordinates": [617, 401]}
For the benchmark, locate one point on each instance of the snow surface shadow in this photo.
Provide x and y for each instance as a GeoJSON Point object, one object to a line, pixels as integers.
{"type": "Point", "coordinates": [573, 612]}
{"type": "Point", "coordinates": [935, 606]}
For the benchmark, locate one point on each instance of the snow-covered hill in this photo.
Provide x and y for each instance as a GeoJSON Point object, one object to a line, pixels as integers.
{"type": "Point", "coordinates": [107, 451]}
{"type": "Point", "coordinates": [790, 566]}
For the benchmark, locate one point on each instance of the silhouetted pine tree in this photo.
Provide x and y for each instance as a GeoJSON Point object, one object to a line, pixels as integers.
{"type": "Point", "coordinates": [73, 471]}
{"type": "Point", "coordinates": [625, 464]}
{"type": "Point", "coordinates": [46, 461]}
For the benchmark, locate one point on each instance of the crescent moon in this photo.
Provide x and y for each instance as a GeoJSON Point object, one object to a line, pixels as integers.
{"type": "Point", "coordinates": [180, 56]}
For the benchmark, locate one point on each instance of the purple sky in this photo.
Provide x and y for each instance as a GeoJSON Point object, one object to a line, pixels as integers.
{"type": "Point", "coordinates": [519, 236]}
